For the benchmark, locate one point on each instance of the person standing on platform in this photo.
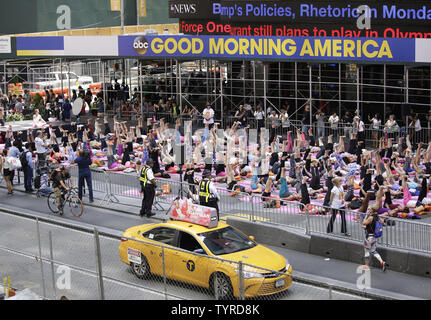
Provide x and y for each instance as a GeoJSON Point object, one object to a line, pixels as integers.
{"type": "Point", "coordinates": [306, 120]}
{"type": "Point", "coordinates": [41, 148]}
{"type": "Point", "coordinates": [320, 117]}
{"type": "Point", "coordinates": [208, 114]}
{"type": "Point", "coordinates": [333, 121]}
{"type": "Point", "coordinates": [148, 188]}
{"type": "Point", "coordinates": [259, 116]}
{"type": "Point", "coordinates": [359, 124]}
{"type": "Point", "coordinates": [67, 107]}
{"type": "Point", "coordinates": [208, 195]}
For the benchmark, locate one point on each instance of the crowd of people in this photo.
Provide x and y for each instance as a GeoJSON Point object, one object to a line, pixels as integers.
{"type": "Point", "coordinates": [327, 175]}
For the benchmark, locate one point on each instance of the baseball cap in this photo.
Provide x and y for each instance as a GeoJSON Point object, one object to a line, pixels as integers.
{"type": "Point", "coordinates": [206, 173]}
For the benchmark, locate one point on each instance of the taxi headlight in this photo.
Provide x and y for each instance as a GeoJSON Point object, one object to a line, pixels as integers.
{"type": "Point", "coordinates": [288, 268]}
{"type": "Point", "coordinates": [249, 275]}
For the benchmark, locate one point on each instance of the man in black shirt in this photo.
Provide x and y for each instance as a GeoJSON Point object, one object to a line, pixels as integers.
{"type": "Point", "coordinates": [59, 178]}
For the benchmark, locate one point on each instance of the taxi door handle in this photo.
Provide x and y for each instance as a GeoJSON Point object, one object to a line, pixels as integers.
{"type": "Point", "coordinates": [184, 261]}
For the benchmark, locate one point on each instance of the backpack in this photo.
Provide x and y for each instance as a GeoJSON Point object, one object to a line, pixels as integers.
{"type": "Point", "coordinates": [53, 175]}
{"type": "Point", "coordinates": [37, 182]}
{"type": "Point", "coordinates": [23, 159]}
{"type": "Point", "coordinates": [378, 231]}
{"type": "Point", "coordinates": [270, 204]}
{"type": "Point", "coordinates": [356, 203]}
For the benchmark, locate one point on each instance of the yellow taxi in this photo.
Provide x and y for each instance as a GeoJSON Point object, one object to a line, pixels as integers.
{"type": "Point", "coordinates": [195, 254]}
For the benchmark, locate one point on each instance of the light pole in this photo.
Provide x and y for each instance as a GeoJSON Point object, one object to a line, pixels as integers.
{"type": "Point", "coordinates": [122, 16]}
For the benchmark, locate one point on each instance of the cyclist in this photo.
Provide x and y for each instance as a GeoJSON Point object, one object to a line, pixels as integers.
{"type": "Point", "coordinates": [59, 178]}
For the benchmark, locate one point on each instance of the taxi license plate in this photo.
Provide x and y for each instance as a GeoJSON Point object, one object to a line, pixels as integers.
{"type": "Point", "coordinates": [280, 283]}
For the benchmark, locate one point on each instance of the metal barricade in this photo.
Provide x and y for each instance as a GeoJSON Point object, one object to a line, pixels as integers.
{"type": "Point", "coordinates": [312, 218]}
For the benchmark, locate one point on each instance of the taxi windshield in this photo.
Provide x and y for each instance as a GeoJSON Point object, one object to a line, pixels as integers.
{"type": "Point", "coordinates": [225, 241]}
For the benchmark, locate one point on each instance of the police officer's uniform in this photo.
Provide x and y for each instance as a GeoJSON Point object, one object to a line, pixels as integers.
{"type": "Point", "coordinates": [148, 189]}
{"type": "Point", "coordinates": [206, 197]}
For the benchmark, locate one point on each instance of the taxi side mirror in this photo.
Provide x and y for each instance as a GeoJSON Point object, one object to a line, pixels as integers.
{"type": "Point", "coordinates": [199, 251]}
{"type": "Point", "coordinates": [251, 238]}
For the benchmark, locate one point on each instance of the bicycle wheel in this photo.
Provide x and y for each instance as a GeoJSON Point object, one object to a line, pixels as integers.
{"type": "Point", "coordinates": [75, 206]}
{"type": "Point", "coordinates": [52, 202]}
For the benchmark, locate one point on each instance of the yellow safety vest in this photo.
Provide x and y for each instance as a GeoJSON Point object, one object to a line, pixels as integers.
{"type": "Point", "coordinates": [204, 189]}
{"type": "Point", "coordinates": [143, 177]}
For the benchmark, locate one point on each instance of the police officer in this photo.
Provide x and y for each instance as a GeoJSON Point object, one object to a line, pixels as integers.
{"type": "Point", "coordinates": [148, 188]}
{"type": "Point", "coordinates": [208, 195]}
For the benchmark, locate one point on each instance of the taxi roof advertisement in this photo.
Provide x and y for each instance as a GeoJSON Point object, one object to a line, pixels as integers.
{"type": "Point", "coordinates": [185, 210]}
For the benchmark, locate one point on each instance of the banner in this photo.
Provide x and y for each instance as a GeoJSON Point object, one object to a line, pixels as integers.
{"type": "Point", "coordinates": [323, 18]}
{"type": "Point", "coordinates": [142, 8]}
{"type": "Point", "coordinates": [5, 45]}
{"type": "Point", "coordinates": [68, 46]}
{"type": "Point", "coordinates": [115, 5]}
{"type": "Point", "coordinates": [349, 50]}
{"type": "Point", "coordinates": [272, 48]}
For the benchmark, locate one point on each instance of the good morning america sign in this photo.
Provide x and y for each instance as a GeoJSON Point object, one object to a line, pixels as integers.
{"type": "Point", "coordinates": [274, 48]}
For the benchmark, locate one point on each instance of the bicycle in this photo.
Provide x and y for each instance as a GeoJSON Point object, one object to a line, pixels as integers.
{"type": "Point", "coordinates": [68, 198]}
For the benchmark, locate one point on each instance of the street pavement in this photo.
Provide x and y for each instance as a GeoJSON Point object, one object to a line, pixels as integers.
{"type": "Point", "coordinates": [76, 250]}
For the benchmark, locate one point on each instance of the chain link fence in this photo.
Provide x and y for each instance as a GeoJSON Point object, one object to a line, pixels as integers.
{"type": "Point", "coordinates": [78, 263]}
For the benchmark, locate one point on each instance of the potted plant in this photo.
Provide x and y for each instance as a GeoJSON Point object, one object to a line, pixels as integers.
{"type": "Point", "coordinates": [12, 117]}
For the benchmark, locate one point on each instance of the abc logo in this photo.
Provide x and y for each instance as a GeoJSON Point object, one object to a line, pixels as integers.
{"type": "Point", "coordinates": [141, 45]}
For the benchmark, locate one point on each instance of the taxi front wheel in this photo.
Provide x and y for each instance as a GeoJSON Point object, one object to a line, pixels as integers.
{"type": "Point", "coordinates": [142, 271]}
{"type": "Point", "coordinates": [221, 287]}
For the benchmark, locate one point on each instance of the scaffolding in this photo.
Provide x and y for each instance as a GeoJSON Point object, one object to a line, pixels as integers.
{"type": "Point", "coordinates": [332, 87]}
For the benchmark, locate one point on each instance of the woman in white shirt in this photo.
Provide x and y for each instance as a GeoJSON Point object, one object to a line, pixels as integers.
{"type": "Point", "coordinates": [416, 124]}
{"type": "Point", "coordinates": [333, 120]}
{"type": "Point", "coordinates": [360, 126]}
{"type": "Point", "coordinates": [390, 126]}
{"type": "Point", "coordinates": [208, 114]}
{"type": "Point", "coordinates": [259, 116]}
{"type": "Point", "coordinates": [37, 119]}
{"type": "Point", "coordinates": [285, 122]}
{"type": "Point", "coordinates": [337, 206]}
{"type": "Point", "coordinates": [7, 170]}
{"type": "Point", "coordinates": [375, 125]}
